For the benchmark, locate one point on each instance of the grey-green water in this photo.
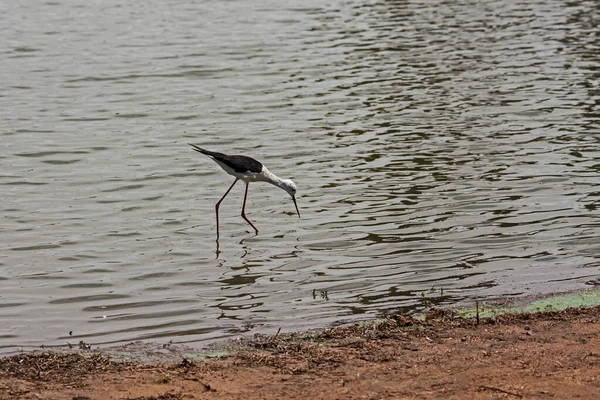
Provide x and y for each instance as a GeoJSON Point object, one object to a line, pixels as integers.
{"type": "Point", "coordinates": [444, 144]}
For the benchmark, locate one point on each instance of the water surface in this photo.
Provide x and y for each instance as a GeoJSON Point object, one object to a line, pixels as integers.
{"type": "Point", "coordinates": [444, 152]}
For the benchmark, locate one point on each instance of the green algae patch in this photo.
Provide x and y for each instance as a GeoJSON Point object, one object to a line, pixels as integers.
{"type": "Point", "coordinates": [557, 302]}
{"type": "Point", "coordinates": [149, 352]}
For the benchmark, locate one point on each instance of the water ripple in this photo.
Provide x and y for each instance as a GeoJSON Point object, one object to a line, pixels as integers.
{"type": "Point", "coordinates": [442, 153]}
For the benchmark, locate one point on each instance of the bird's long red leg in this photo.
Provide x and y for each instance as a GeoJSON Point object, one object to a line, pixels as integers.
{"type": "Point", "coordinates": [219, 203]}
{"type": "Point", "coordinates": [244, 210]}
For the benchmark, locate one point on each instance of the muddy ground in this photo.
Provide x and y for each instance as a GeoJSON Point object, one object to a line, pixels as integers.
{"type": "Point", "coordinates": [549, 355]}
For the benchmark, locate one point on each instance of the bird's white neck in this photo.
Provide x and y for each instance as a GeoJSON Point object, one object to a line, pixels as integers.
{"type": "Point", "coordinates": [268, 176]}
{"type": "Point", "coordinates": [285, 184]}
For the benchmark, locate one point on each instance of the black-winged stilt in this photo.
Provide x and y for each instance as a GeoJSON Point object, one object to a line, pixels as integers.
{"type": "Point", "coordinates": [249, 170]}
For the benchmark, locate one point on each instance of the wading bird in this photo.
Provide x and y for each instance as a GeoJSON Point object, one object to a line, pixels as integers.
{"type": "Point", "coordinates": [249, 170]}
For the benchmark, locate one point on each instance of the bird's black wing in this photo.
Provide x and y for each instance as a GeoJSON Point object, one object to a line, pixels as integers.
{"type": "Point", "coordinates": [238, 163]}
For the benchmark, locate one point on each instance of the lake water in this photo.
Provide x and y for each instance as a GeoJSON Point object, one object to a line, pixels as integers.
{"type": "Point", "coordinates": [444, 152]}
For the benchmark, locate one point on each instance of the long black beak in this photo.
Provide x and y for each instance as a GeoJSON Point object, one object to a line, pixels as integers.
{"type": "Point", "coordinates": [298, 211]}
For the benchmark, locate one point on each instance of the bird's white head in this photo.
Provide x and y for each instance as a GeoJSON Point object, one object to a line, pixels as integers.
{"type": "Point", "coordinates": [289, 186]}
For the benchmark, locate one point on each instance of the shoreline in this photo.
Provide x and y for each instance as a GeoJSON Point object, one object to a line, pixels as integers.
{"type": "Point", "coordinates": [581, 297]}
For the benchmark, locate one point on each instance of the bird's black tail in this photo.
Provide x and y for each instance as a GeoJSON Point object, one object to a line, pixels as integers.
{"type": "Point", "coordinates": [203, 151]}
